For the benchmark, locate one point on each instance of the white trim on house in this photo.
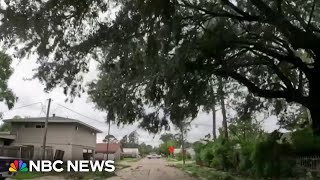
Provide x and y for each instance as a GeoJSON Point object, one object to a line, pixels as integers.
{"type": "Point", "coordinates": [55, 119]}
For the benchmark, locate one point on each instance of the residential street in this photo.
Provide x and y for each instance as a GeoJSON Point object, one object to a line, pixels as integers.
{"type": "Point", "coordinates": [151, 169]}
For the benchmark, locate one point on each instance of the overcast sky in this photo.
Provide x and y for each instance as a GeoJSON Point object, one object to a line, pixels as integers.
{"type": "Point", "coordinates": [30, 92]}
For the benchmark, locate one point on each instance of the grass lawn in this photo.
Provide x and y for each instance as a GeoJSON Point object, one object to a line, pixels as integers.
{"type": "Point", "coordinates": [66, 175]}
{"type": "Point", "coordinates": [130, 159]}
{"type": "Point", "coordinates": [207, 173]}
{"type": "Point", "coordinates": [31, 175]}
{"type": "Point", "coordinates": [172, 160]}
{"type": "Point", "coordinates": [127, 161]}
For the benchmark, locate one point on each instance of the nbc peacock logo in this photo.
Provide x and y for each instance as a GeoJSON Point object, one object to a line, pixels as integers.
{"type": "Point", "coordinates": [18, 166]}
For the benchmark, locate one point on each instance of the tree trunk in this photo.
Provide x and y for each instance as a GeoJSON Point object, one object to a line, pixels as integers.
{"type": "Point", "coordinates": [182, 144]}
{"type": "Point", "coordinates": [313, 104]}
{"type": "Point", "coordinates": [315, 116]}
{"type": "Point", "coordinates": [223, 108]}
{"type": "Point", "coordinates": [214, 134]}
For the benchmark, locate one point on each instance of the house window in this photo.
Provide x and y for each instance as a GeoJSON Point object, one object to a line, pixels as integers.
{"type": "Point", "coordinates": [39, 125]}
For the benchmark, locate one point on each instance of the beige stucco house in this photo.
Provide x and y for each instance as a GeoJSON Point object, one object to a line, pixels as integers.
{"type": "Point", "coordinates": [75, 138]}
{"type": "Point", "coordinates": [113, 150]}
{"type": "Point", "coordinates": [131, 152]}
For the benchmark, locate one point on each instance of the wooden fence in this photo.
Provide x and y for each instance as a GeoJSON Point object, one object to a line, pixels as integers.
{"type": "Point", "coordinates": [310, 163]}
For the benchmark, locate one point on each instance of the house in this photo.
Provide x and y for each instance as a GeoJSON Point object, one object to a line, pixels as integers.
{"type": "Point", "coordinates": [131, 152]}
{"type": "Point", "coordinates": [177, 151]}
{"type": "Point", "coordinates": [112, 150]}
{"type": "Point", "coordinates": [6, 138]}
{"type": "Point", "coordinates": [75, 139]}
{"type": "Point", "coordinates": [189, 151]}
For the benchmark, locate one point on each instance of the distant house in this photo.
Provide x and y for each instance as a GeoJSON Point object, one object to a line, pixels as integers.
{"type": "Point", "coordinates": [190, 151]}
{"type": "Point", "coordinates": [131, 152]}
{"type": "Point", "coordinates": [177, 151]}
{"type": "Point", "coordinates": [113, 151]}
{"type": "Point", "coordinates": [76, 140]}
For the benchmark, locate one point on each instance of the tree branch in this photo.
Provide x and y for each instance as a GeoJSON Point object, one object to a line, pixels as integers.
{"type": "Point", "coordinates": [297, 37]}
{"type": "Point", "coordinates": [290, 58]}
{"type": "Point", "coordinates": [296, 96]}
{"type": "Point", "coordinates": [214, 14]}
{"type": "Point", "coordinates": [251, 86]}
{"type": "Point", "coordinates": [311, 13]}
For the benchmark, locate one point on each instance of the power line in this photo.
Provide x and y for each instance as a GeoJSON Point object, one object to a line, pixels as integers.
{"type": "Point", "coordinates": [23, 106]}
{"type": "Point", "coordinates": [79, 113]}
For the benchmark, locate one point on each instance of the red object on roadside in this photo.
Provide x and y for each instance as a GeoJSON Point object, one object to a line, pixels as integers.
{"type": "Point", "coordinates": [171, 149]}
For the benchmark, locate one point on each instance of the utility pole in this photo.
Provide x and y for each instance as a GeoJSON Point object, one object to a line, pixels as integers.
{"type": "Point", "coordinates": [108, 140]}
{"type": "Point", "coordinates": [45, 131]}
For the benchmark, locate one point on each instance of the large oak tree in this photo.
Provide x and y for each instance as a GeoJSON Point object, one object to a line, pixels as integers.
{"type": "Point", "coordinates": [6, 94]}
{"type": "Point", "coordinates": [167, 53]}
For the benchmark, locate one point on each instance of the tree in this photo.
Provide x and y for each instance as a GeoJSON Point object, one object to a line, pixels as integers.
{"type": "Point", "coordinates": [6, 95]}
{"type": "Point", "coordinates": [131, 140]}
{"type": "Point", "coordinates": [168, 140]}
{"type": "Point", "coordinates": [166, 137]}
{"type": "Point", "coordinates": [164, 53]}
{"type": "Point", "coordinates": [6, 127]}
{"type": "Point", "coordinates": [145, 149]}
{"type": "Point", "coordinates": [183, 129]}
{"type": "Point", "coordinates": [111, 138]}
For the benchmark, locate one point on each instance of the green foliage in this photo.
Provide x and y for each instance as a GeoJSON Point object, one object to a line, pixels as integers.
{"type": "Point", "coordinates": [6, 95]}
{"type": "Point", "coordinates": [145, 149]}
{"type": "Point", "coordinates": [163, 148]}
{"type": "Point", "coordinates": [198, 147]}
{"type": "Point", "coordinates": [179, 157]}
{"type": "Point", "coordinates": [305, 142]}
{"type": "Point", "coordinates": [5, 127]}
{"type": "Point", "coordinates": [131, 140]}
{"type": "Point", "coordinates": [272, 159]}
{"type": "Point", "coordinates": [255, 154]}
{"type": "Point", "coordinates": [166, 54]}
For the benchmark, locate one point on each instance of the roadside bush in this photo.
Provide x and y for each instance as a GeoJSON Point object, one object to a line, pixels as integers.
{"type": "Point", "coordinates": [245, 163]}
{"type": "Point", "coordinates": [305, 143]}
{"type": "Point", "coordinates": [198, 147]}
{"type": "Point", "coordinates": [223, 155]}
{"type": "Point", "coordinates": [206, 154]}
{"type": "Point", "coordinates": [179, 156]}
{"type": "Point", "coordinates": [272, 159]}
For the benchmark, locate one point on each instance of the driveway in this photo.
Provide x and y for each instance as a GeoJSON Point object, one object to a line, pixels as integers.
{"type": "Point", "coordinates": [151, 169]}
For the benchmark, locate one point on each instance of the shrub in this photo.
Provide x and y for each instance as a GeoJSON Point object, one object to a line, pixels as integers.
{"type": "Point", "coordinates": [271, 159]}
{"type": "Point", "coordinates": [305, 143]}
{"type": "Point", "coordinates": [206, 154]}
{"type": "Point", "coordinates": [179, 156]}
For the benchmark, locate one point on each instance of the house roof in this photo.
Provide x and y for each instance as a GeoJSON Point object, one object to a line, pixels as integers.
{"type": "Point", "coordinates": [55, 119]}
{"type": "Point", "coordinates": [102, 147]}
{"type": "Point", "coordinates": [7, 135]}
